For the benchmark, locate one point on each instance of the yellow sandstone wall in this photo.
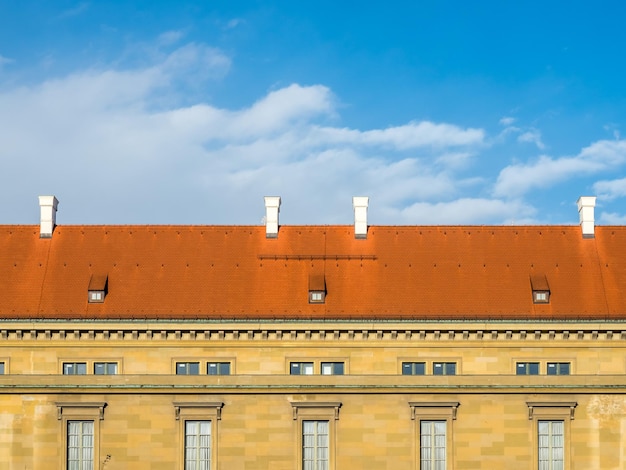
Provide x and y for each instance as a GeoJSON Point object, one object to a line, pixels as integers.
{"type": "Point", "coordinates": [257, 429]}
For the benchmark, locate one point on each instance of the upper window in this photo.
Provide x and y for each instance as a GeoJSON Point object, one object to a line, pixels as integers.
{"type": "Point", "coordinates": [332, 368]}
{"type": "Point", "coordinates": [558, 368]}
{"type": "Point", "coordinates": [527, 368]}
{"type": "Point", "coordinates": [301, 368]}
{"type": "Point", "coordinates": [444, 368]}
{"type": "Point", "coordinates": [187, 368]}
{"type": "Point", "coordinates": [218, 368]}
{"type": "Point", "coordinates": [74, 368]}
{"type": "Point", "coordinates": [105, 368]}
{"type": "Point", "coordinates": [413, 368]}
{"type": "Point", "coordinates": [1, 368]}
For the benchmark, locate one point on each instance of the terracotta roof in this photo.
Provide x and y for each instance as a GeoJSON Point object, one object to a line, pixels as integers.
{"type": "Point", "coordinates": [235, 272]}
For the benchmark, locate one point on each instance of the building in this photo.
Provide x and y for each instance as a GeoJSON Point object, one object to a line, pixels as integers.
{"type": "Point", "coordinates": [312, 347]}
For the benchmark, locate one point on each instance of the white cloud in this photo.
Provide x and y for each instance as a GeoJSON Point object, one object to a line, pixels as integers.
{"type": "Point", "coordinates": [517, 179]}
{"type": "Point", "coordinates": [468, 211]}
{"type": "Point", "coordinates": [507, 121]}
{"type": "Point", "coordinates": [74, 11]}
{"type": "Point", "coordinates": [4, 61]}
{"type": "Point", "coordinates": [532, 136]}
{"type": "Point", "coordinates": [610, 189]}
{"type": "Point", "coordinates": [611, 218]}
{"type": "Point", "coordinates": [119, 146]}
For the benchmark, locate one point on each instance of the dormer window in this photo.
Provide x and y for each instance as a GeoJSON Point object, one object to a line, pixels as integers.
{"type": "Point", "coordinates": [541, 297]}
{"type": "Point", "coordinates": [540, 289]}
{"type": "Point", "coordinates": [316, 297]}
{"type": "Point", "coordinates": [317, 289]}
{"type": "Point", "coordinates": [97, 288]}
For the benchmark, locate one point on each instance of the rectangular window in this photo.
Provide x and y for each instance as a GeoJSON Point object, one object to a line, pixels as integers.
{"type": "Point", "coordinates": [433, 445]}
{"type": "Point", "coordinates": [218, 368]}
{"type": "Point", "coordinates": [527, 368]}
{"type": "Point", "coordinates": [301, 368]}
{"type": "Point", "coordinates": [315, 445]}
{"type": "Point", "coordinates": [413, 368]}
{"type": "Point", "coordinates": [105, 368]}
{"type": "Point", "coordinates": [187, 368]}
{"type": "Point", "coordinates": [74, 368]}
{"type": "Point", "coordinates": [551, 445]}
{"type": "Point", "coordinates": [558, 368]}
{"type": "Point", "coordinates": [197, 445]}
{"type": "Point", "coordinates": [332, 368]}
{"type": "Point", "coordinates": [80, 447]}
{"type": "Point", "coordinates": [444, 368]}
{"type": "Point", "coordinates": [1, 368]}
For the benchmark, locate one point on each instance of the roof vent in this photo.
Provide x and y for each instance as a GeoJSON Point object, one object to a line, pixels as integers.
{"type": "Point", "coordinates": [48, 209]}
{"type": "Point", "coordinates": [586, 205]}
{"type": "Point", "coordinates": [360, 204]}
{"type": "Point", "coordinates": [272, 208]}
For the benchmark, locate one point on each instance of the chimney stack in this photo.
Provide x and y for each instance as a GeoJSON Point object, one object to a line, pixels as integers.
{"type": "Point", "coordinates": [360, 205]}
{"type": "Point", "coordinates": [48, 208]}
{"type": "Point", "coordinates": [586, 206]}
{"type": "Point", "coordinates": [272, 208]}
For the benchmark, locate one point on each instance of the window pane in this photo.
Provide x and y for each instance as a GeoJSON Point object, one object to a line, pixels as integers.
{"type": "Point", "coordinates": [551, 444]}
{"type": "Point", "coordinates": [197, 445]}
{"type": "Point", "coordinates": [80, 445]}
{"type": "Point", "coordinates": [433, 444]}
{"type": "Point", "coordinates": [315, 445]}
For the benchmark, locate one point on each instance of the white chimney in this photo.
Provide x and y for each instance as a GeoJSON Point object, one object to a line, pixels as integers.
{"type": "Point", "coordinates": [586, 206]}
{"type": "Point", "coordinates": [48, 207]}
{"type": "Point", "coordinates": [272, 208]}
{"type": "Point", "coordinates": [360, 216]}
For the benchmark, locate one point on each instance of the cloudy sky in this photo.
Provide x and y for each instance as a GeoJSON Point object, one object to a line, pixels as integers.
{"type": "Point", "coordinates": [189, 112]}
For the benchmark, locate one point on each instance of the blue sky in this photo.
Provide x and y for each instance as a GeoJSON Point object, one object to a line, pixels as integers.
{"type": "Point", "coordinates": [189, 112]}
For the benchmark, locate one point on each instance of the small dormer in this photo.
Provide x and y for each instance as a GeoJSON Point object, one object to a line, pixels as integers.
{"type": "Point", "coordinates": [97, 290]}
{"type": "Point", "coordinates": [540, 289]}
{"type": "Point", "coordinates": [317, 289]}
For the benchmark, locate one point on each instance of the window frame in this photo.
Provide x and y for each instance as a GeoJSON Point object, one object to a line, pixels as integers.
{"type": "Point", "coordinates": [198, 411]}
{"type": "Point", "coordinates": [315, 411]}
{"type": "Point", "coordinates": [187, 364]}
{"type": "Point", "coordinates": [218, 365]}
{"type": "Point", "coordinates": [80, 411]}
{"type": "Point", "coordinates": [302, 365]}
{"type": "Point", "coordinates": [558, 366]}
{"type": "Point", "coordinates": [551, 411]}
{"type": "Point", "coordinates": [75, 365]}
{"type": "Point", "coordinates": [445, 366]}
{"type": "Point", "coordinates": [413, 364]}
{"type": "Point", "coordinates": [527, 370]}
{"type": "Point", "coordinates": [433, 411]}
{"type": "Point", "coordinates": [106, 366]}
{"type": "Point", "coordinates": [334, 365]}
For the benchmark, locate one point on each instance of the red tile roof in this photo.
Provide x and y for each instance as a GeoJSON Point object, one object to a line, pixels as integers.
{"type": "Point", "coordinates": [235, 272]}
